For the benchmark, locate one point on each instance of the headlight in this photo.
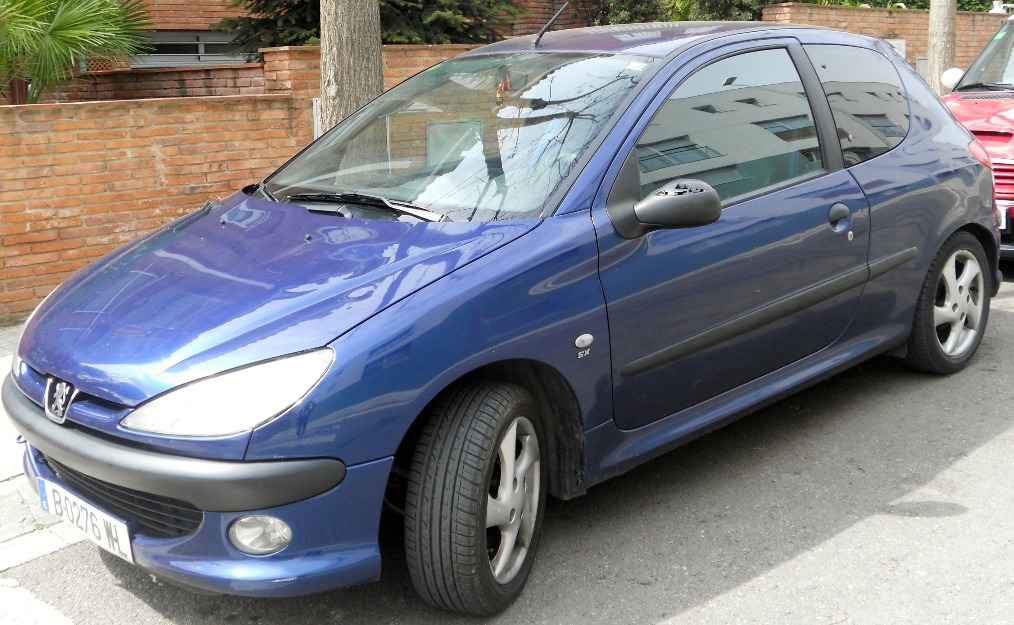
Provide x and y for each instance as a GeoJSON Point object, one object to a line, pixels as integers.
{"type": "Point", "coordinates": [232, 402]}
{"type": "Point", "coordinates": [16, 360]}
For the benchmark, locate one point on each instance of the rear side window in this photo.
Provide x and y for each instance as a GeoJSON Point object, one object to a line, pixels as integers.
{"type": "Point", "coordinates": [866, 96]}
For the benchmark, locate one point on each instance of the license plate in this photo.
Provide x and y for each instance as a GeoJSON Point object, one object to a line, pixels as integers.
{"type": "Point", "coordinates": [1004, 209]}
{"type": "Point", "coordinates": [102, 529]}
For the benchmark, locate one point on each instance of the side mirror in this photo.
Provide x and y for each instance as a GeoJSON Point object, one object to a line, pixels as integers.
{"type": "Point", "coordinates": [951, 77]}
{"type": "Point", "coordinates": [681, 203]}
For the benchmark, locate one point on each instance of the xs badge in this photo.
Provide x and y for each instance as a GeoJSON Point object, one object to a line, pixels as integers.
{"type": "Point", "coordinates": [59, 395]}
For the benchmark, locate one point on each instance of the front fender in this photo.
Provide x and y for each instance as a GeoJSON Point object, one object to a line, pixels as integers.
{"type": "Point", "coordinates": [528, 300]}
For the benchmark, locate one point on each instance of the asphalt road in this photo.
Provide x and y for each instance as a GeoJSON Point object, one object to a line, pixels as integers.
{"type": "Point", "coordinates": [881, 496]}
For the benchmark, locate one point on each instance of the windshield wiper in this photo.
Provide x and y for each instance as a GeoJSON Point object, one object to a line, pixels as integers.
{"type": "Point", "coordinates": [404, 208]}
{"type": "Point", "coordinates": [992, 86]}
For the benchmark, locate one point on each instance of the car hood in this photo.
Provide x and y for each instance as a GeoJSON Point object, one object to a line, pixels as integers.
{"type": "Point", "coordinates": [990, 117]}
{"type": "Point", "coordinates": [243, 282]}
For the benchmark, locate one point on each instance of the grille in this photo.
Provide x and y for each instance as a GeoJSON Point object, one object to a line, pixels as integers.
{"type": "Point", "coordinates": [989, 96]}
{"type": "Point", "coordinates": [155, 515]}
{"type": "Point", "coordinates": [1003, 178]}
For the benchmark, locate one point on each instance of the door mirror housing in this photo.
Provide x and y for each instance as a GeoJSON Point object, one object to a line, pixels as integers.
{"type": "Point", "coordinates": [683, 203]}
{"type": "Point", "coordinates": [951, 77]}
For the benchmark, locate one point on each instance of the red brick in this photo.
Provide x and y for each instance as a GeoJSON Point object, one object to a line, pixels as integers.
{"type": "Point", "coordinates": [31, 259]}
{"type": "Point", "coordinates": [31, 282]}
{"type": "Point", "coordinates": [29, 237]}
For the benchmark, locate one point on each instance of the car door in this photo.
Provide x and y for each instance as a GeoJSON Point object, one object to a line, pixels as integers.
{"type": "Point", "coordinates": [697, 312]}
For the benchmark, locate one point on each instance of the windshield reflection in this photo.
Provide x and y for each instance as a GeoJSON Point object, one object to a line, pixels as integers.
{"type": "Point", "coordinates": [479, 138]}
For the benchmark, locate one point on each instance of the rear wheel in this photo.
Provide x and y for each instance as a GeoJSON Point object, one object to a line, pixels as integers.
{"type": "Point", "coordinates": [953, 307]}
{"type": "Point", "coordinates": [476, 493]}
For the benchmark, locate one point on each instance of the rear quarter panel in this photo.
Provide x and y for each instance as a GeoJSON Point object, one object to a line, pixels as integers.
{"type": "Point", "coordinates": [919, 193]}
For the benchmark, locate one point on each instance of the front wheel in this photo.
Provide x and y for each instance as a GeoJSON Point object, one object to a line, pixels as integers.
{"type": "Point", "coordinates": [953, 306]}
{"type": "Point", "coordinates": [475, 499]}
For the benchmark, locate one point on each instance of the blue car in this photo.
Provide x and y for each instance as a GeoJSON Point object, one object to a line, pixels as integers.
{"type": "Point", "coordinates": [522, 272]}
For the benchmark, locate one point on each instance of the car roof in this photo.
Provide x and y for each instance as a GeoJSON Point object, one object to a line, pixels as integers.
{"type": "Point", "coordinates": [655, 39]}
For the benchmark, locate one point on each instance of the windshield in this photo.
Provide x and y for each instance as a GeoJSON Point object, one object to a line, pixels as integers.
{"type": "Point", "coordinates": [993, 66]}
{"type": "Point", "coordinates": [477, 138]}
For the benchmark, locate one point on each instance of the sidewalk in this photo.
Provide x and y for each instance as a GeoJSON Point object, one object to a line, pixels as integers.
{"type": "Point", "coordinates": [26, 532]}
{"type": "Point", "coordinates": [10, 455]}
{"type": "Point", "coordinates": [10, 451]}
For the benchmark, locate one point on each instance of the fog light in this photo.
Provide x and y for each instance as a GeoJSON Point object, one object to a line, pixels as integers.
{"type": "Point", "coordinates": [259, 535]}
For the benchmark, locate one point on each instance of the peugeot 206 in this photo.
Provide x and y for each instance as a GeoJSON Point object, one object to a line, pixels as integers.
{"type": "Point", "coordinates": [517, 274]}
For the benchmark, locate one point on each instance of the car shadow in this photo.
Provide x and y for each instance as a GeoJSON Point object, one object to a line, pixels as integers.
{"type": "Point", "coordinates": [696, 522]}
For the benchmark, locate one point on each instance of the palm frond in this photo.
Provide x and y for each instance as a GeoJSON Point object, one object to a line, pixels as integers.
{"type": "Point", "coordinates": [42, 40]}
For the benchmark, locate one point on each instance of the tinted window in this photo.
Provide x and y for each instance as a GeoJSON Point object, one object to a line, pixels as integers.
{"type": "Point", "coordinates": [866, 96]}
{"type": "Point", "coordinates": [740, 124]}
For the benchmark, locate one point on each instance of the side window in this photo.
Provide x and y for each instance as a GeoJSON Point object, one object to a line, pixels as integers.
{"type": "Point", "coordinates": [740, 124]}
{"type": "Point", "coordinates": [866, 96]}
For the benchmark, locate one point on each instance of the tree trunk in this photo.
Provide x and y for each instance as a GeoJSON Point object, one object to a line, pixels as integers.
{"type": "Point", "coordinates": [351, 67]}
{"type": "Point", "coordinates": [941, 41]}
{"type": "Point", "coordinates": [17, 91]}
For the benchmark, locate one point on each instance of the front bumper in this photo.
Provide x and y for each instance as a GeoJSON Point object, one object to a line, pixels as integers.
{"type": "Point", "coordinates": [334, 511]}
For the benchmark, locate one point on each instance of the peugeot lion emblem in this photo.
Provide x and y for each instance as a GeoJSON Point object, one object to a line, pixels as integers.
{"type": "Point", "coordinates": [59, 395]}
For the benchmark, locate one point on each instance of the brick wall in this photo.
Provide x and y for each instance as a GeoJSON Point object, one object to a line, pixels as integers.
{"type": "Point", "coordinates": [190, 14]}
{"type": "Point", "coordinates": [246, 79]}
{"type": "Point", "coordinates": [292, 68]}
{"type": "Point", "coordinates": [973, 30]}
{"type": "Point", "coordinates": [296, 69]}
{"type": "Point", "coordinates": [81, 178]}
{"type": "Point", "coordinates": [401, 62]}
{"type": "Point", "coordinates": [538, 12]}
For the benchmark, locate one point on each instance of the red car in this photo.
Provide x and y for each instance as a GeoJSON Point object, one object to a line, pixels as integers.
{"type": "Point", "coordinates": [983, 100]}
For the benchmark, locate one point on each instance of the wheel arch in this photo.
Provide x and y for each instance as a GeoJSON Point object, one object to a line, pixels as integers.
{"type": "Point", "coordinates": [561, 418]}
{"type": "Point", "coordinates": [992, 249]}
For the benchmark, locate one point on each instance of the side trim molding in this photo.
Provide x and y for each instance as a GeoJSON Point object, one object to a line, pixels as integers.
{"type": "Point", "coordinates": [769, 314]}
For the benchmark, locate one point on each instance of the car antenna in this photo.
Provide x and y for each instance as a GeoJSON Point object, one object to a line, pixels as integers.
{"type": "Point", "coordinates": [549, 24]}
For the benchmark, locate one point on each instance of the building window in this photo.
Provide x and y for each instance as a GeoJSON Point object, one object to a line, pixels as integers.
{"type": "Point", "coordinates": [675, 151]}
{"type": "Point", "coordinates": [710, 108]}
{"type": "Point", "coordinates": [883, 125]}
{"type": "Point", "coordinates": [790, 128]}
{"type": "Point", "coordinates": [179, 48]}
{"type": "Point", "coordinates": [755, 102]}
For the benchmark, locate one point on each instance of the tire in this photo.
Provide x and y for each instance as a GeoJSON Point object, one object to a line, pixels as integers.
{"type": "Point", "coordinates": [456, 488]}
{"type": "Point", "coordinates": [953, 307]}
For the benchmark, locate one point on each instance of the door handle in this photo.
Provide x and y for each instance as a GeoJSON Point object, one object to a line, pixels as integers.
{"type": "Point", "coordinates": [838, 212]}
{"type": "Point", "coordinates": [840, 217]}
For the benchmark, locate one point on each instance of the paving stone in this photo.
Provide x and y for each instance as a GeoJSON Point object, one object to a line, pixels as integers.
{"type": "Point", "coordinates": [7, 337]}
